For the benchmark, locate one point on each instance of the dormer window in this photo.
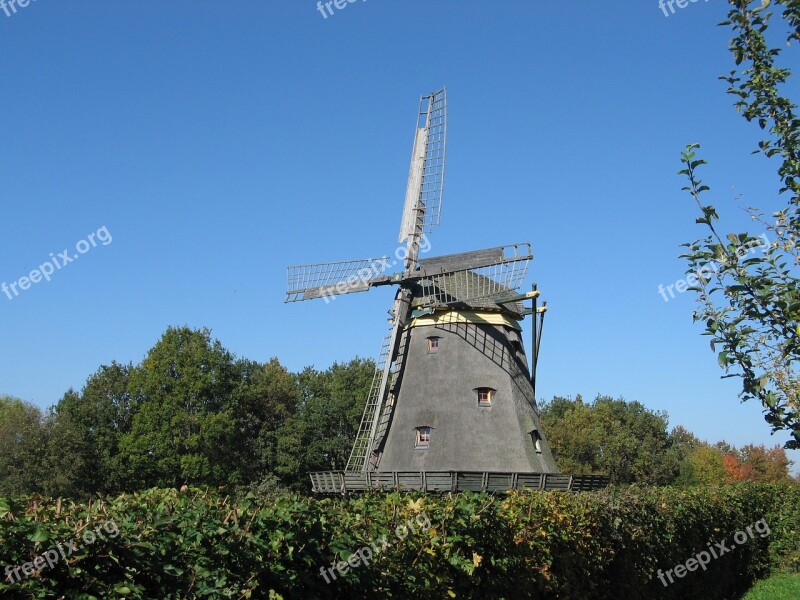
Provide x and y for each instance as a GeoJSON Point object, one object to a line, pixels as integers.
{"type": "Point", "coordinates": [537, 440]}
{"type": "Point", "coordinates": [485, 396]}
{"type": "Point", "coordinates": [423, 437]}
{"type": "Point", "coordinates": [433, 343]}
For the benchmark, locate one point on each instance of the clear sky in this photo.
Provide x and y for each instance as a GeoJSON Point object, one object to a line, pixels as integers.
{"type": "Point", "coordinates": [218, 142]}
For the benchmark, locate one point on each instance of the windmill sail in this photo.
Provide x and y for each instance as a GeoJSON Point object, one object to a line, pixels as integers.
{"type": "Point", "coordinates": [423, 205]}
{"type": "Point", "coordinates": [323, 280]}
{"type": "Point", "coordinates": [408, 225]}
{"type": "Point", "coordinates": [421, 212]}
{"type": "Point", "coordinates": [480, 277]}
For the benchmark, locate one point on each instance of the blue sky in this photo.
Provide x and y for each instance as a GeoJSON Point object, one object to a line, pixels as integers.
{"type": "Point", "coordinates": [219, 142]}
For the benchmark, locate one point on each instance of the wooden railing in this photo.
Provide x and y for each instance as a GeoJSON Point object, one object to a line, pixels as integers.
{"type": "Point", "coordinates": [344, 482]}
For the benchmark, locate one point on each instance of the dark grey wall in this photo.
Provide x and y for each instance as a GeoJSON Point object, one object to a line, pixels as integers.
{"type": "Point", "coordinates": [438, 390]}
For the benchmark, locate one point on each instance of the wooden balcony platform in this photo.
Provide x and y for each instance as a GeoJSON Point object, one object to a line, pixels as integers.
{"type": "Point", "coordinates": [344, 482]}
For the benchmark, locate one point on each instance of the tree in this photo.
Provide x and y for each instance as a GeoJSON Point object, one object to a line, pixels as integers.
{"type": "Point", "coordinates": [37, 452]}
{"type": "Point", "coordinates": [704, 465]}
{"type": "Point", "coordinates": [184, 429]}
{"type": "Point", "coordinates": [736, 470]}
{"type": "Point", "coordinates": [749, 300]}
{"type": "Point", "coordinates": [268, 395]}
{"type": "Point", "coordinates": [622, 439]}
{"type": "Point", "coordinates": [720, 463]}
{"type": "Point", "coordinates": [767, 464]}
{"type": "Point", "coordinates": [321, 434]}
{"type": "Point", "coordinates": [683, 444]}
{"type": "Point", "coordinates": [101, 414]}
{"type": "Point", "coordinates": [23, 447]}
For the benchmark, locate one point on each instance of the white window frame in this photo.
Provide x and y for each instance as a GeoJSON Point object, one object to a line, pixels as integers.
{"type": "Point", "coordinates": [425, 431]}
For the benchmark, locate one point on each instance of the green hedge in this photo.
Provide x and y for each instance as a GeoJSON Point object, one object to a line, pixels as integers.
{"type": "Point", "coordinates": [196, 544]}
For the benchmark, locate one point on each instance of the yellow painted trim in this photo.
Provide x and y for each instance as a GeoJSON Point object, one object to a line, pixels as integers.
{"type": "Point", "coordinates": [465, 316]}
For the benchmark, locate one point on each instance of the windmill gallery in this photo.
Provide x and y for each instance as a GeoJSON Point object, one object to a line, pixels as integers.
{"type": "Point", "coordinates": [452, 403]}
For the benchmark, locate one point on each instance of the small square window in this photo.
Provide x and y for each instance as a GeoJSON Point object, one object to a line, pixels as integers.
{"type": "Point", "coordinates": [423, 437]}
{"type": "Point", "coordinates": [433, 344]}
{"type": "Point", "coordinates": [485, 396]}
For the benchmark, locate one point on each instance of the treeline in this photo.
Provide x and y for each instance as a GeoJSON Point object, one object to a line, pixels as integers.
{"type": "Point", "coordinates": [189, 414]}
{"type": "Point", "coordinates": [633, 444]}
{"type": "Point", "coordinates": [193, 414]}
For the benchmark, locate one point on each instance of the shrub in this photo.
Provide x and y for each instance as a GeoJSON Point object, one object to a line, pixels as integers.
{"type": "Point", "coordinates": [196, 543]}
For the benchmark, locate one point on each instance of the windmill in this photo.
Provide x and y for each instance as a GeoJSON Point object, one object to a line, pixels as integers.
{"type": "Point", "coordinates": [452, 403]}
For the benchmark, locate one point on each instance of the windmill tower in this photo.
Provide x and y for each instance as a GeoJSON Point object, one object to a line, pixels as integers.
{"type": "Point", "coordinates": [452, 402]}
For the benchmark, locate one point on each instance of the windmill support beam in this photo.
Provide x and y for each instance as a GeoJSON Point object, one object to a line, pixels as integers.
{"type": "Point", "coordinates": [534, 346]}
{"type": "Point", "coordinates": [538, 312]}
{"type": "Point", "coordinates": [519, 297]}
{"type": "Point", "coordinates": [530, 311]}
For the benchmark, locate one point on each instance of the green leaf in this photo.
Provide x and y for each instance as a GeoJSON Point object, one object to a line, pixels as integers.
{"type": "Point", "coordinates": [40, 535]}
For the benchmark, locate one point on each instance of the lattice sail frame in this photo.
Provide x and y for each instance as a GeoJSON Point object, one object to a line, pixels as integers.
{"type": "Point", "coordinates": [423, 205]}
{"type": "Point", "coordinates": [435, 154]}
{"type": "Point", "coordinates": [488, 282]}
{"type": "Point", "coordinates": [306, 282]}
